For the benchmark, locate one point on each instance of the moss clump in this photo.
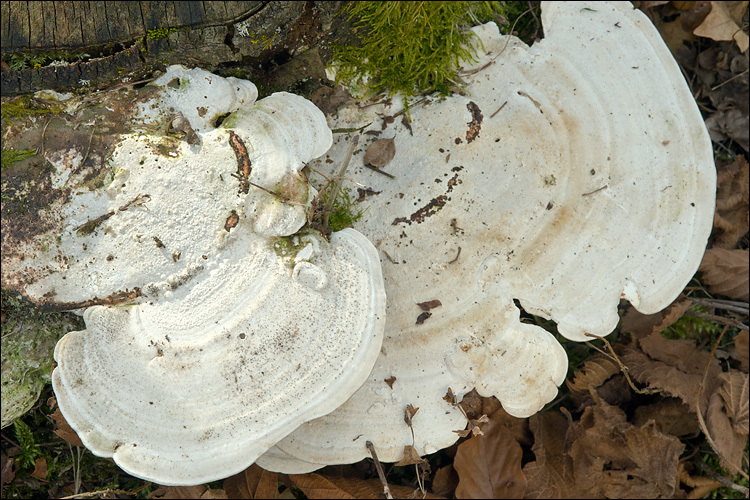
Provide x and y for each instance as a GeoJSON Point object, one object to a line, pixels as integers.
{"type": "Point", "coordinates": [411, 47]}
{"type": "Point", "coordinates": [21, 61]}
{"type": "Point", "coordinates": [11, 156]}
{"type": "Point", "coordinates": [343, 213]}
{"type": "Point", "coordinates": [159, 33]}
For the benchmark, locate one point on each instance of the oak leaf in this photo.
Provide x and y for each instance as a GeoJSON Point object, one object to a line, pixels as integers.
{"type": "Point", "coordinates": [721, 24]}
{"type": "Point", "coordinates": [725, 272]}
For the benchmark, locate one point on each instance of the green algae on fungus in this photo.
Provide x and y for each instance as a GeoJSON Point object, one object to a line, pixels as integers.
{"type": "Point", "coordinates": [410, 47]}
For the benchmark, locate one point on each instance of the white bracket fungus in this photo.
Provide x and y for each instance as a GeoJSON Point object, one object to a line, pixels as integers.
{"type": "Point", "coordinates": [573, 174]}
{"type": "Point", "coordinates": [243, 326]}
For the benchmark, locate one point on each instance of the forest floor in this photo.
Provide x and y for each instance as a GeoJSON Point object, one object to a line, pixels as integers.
{"type": "Point", "coordinates": [660, 409]}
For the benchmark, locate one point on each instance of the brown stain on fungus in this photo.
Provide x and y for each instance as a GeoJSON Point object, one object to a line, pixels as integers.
{"type": "Point", "coordinates": [475, 125]}
{"type": "Point", "coordinates": [244, 166]}
{"type": "Point", "coordinates": [232, 221]}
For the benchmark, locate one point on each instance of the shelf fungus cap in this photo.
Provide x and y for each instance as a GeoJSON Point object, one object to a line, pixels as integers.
{"type": "Point", "coordinates": [194, 388]}
{"type": "Point", "coordinates": [571, 175]}
{"type": "Point", "coordinates": [164, 205]}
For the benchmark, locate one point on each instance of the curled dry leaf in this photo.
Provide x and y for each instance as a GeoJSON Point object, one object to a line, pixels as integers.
{"type": "Point", "coordinates": [380, 152]}
{"type": "Point", "coordinates": [726, 272]}
{"type": "Point", "coordinates": [253, 482]}
{"type": "Point", "coordinates": [411, 457]}
{"type": "Point", "coordinates": [594, 372]}
{"type": "Point", "coordinates": [489, 466]}
{"type": "Point", "coordinates": [701, 485]}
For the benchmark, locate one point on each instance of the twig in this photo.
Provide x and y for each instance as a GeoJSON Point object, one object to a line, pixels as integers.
{"type": "Point", "coordinates": [337, 183]}
{"type": "Point", "coordinates": [596, 190]}
{"type": "Point", "coordinates": [379, 468]}
{"type": "Point", "coordinates": [376, 169]}
{"type": "Point", "coordinates": [718, 477]}
{"type": "Point", "coordinates": [498, 109]}
{"type": "Point", "coordinates": [456, 257]}
{"type": "Point", "coordinates": [348, 130]}
{"type": "Point", "coordinates": [727, 305]}
{"type": "Point", "coordinates": [719, 319]}
{"type": "Point", "coordinates": [477, 70]}
{"type": "Point", "coordinates": [728, 80]}
{"type": "Point", "coordinates": [698, 406]}
{"type": "Point", "coordinates": [623, 368]}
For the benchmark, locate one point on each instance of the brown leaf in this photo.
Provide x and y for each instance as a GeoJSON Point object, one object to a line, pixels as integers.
{"type": "Point", "coordinates": [726, 272]}
{"type": "Point", "coordinates": [409, 413]}
{"type": "Point", "coordinates": [701, 485]}
{"type": "Point", "coordinates": [423, 317]}
{"type": "Point", "coordinates": [471, 403]}
{"type": "Point", "coordinates": [727, 442]}
{"type": "Point", "coordinates": [614, 459]}
{"type": "Point", "coordinates": [390, 380]}
{"type": "Point", "coordinates": [380, 152]}
{"type": "Point", "coordinates": [253, 482]}
{"type": "Point", "coordinates": [641, 325]}
{"type": "Point", "coordinates": [721, 24]}
{"type": "Point", "coordinates": [489, 466]}
{"type": "Point", "coordinates": [64, 430]}
{"type": "Point", "coordinates": [551, 475]}
{"type": "Point", "coordinates": [732, 203]}
{"type": "Point", "coordinates": [445, 481]}
{"type": "Point", "coordinates": [187, 492]}
{"type": "Point", "coordinates": [675, 366]}
{"type": "Point", "coordinates": [6, 469]}
{"type": "Point", "coordinates": [410, 457]}
{"type": "Point", "coordinates": [734, 392]}
{"type": "Point", "coordinates": [670, 415]}
{"type": "Point", "coordinates": [40, 468]}
{"type": "Point", "coordinates": [430, 304]}
{"type": "Point", "coordinates": [319, 486]}
{"type": "Point", "coordinates": [594, 372]}
{"type": "Point", "coordinates": [742, 349]}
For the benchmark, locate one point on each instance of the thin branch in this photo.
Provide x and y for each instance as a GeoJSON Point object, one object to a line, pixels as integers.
{"type": "Point", "coordinates": [379, 468]}
{"type": "Point", "coordinates": [719, 319]}
{"type": "Point", "coordinates": [718, 477]}
{"type": "Point", "coordinates": [727, 305]}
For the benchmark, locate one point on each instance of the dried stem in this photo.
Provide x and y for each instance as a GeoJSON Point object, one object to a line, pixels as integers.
{"type": "Point", "coordinates": [719, 319]}
{"type": "Point", "coordinates": [379, 468]}
{"type": "Point", "coordinates": [727, 305]}
{"type": "Point", "coordinates": [718, 477]}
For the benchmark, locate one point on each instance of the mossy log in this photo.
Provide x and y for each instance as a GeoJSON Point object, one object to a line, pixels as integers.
{"type": "Point", "coordinates": [126, 39]}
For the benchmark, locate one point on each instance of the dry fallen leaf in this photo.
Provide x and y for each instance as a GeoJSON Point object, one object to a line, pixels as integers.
{"type": "Point", "coordinates": [64, 430]}
{"type": "Point", "coordinates": [319, 486]}
{"type": "Point", "coordinates": [642, 325]}
{"type": "Point", "coordinates": [614, 459]}
{"type": "Point", "coordinates": [727, 412]}
{"type": "Point", "coordinates": [726, 272]}
{"type": "Point", "coordinates": [732, 203]}
{"type": "Point", "coordinates": [676, 366]}
{"type": "Point", "coordinates": [188, 492]}
{"type": "Point", "coordinates": [380, 152]}
{"type": "Point", "coordinates": [410, 457]}
{"type": "Point", "coordinates": [6, 469]}
{"type": "Point", "coordinates": [551, 475]}
{"type": "Point", "coordinates": [742, 349]}
{"type": "Point", "coordinates": [445, 481]}
{"type": "Point", "coordinates": [722, 23]}
{"type": "Point", "coordinates": [40, 468]}
{"type": "Point", "coordinates": [253, 482]}
{"type": "Point", "coordinates": [594, 372]}
{"type": "Point", "coordinates": [670, 415]}
{"type": "Point", "coordinates": [701, 485]}
{"type": "Point", "coordinates": [489, 466]}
